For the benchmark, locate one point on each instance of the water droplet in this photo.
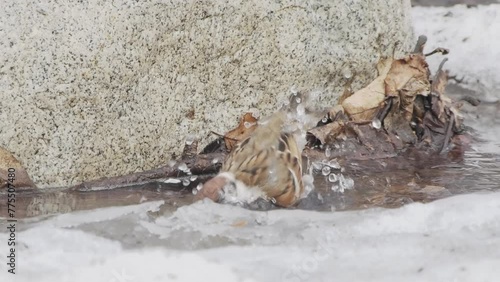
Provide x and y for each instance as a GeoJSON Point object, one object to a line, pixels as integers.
{"type": "Point", "coordinates": [320, 197]}
{"type": "Point", "coordinates": [324, 120]}
{"type": "Point", "coordinates": [193, 178]}
{"type": "Point", "coordinates": [301, 110]}
{"type": "Point", "coordinates": [326, 170]}
{"type": "Point", "coordinates": [347, 73]}
{"type": "Point", "coordinates": [248, 124]}
{"type": "Point", "coordinates": [185, 182]}
{"type": "Point", "coordinates": [335, 188]}
{"type": "Point", "coordinates": [256, 114]}
{"type": "Point", "coordinates": [317, 166]}
{"type": "Point", "coordinates": [349, 183]}
{"type": "Point", "coordinates": [194, 191]}
{"type": "Point", "coordinates": [328, 152]}
{"type": "Point", "coordinates": [376, 123]}
{"type": "Point", "coordinates": [171, 180]}
{"type": "Point", "coordinates": [298, 99]}
{"type": "Point", "coordinates": [189, 139]}
{"type": "Point", "coordinates": [345, 183]}
{"type": "Point", "coordinates": [216, 160]}
{"type": "Point", "coordinates": [294, 90]}
{"type": "Point", "coordinates": [332, 177]}
{"type": "Point", "coordinates": [333, 164]}
{"type": "Point", "coordinates": [273, 200]}
{"type": "Point", "coordinates": [182, 167]}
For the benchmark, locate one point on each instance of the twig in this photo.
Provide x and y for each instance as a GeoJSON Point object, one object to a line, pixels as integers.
{"type": "Point", "coordinates": [419, 47]}
{"type": "Point", "coordinates": [448, 133]}
{"type": "Point", "coordinates": [198, 165]}
{"type": "Point", "coordinates": [438, 50]}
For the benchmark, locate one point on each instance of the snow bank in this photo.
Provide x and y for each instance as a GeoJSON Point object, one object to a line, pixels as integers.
{"type": "Point", "coordinates": [455, 239]}
{"type": "Point", "coordinates": [472, 35]}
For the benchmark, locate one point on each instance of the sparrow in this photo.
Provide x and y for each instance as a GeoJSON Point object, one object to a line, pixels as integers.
{"type": "Point", "coordinates": [266, 164]}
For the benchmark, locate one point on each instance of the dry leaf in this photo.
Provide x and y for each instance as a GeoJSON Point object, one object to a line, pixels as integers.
{"type": "Point", "coordinates": [364, 103]}
{"type": "Point", "coordinates": [439, 83]}
{"type": "Point", "coordinates": [407, 78]}
{"type": "Point", "coordinates": [247, 125]}
{"type": "Point", "coordinates": [325, 133]}
{"type": "Point", "coordinates": [21, 178]}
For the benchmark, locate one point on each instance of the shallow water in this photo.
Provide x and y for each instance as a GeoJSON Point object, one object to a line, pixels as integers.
{"type": "Point", "coordinates": [390, 182]}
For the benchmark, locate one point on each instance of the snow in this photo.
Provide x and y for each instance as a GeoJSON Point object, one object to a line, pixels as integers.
{"type": "Point", "coordinates": [454, 239]}
{"type": "Point", "coordinates": [471, 35]}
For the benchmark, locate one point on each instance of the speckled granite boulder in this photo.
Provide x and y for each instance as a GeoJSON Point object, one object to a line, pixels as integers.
{"type": "Point", "coordinates": [98, 88]}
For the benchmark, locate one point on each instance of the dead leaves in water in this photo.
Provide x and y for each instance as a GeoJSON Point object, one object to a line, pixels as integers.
{"type": "Point", "coordinates": [404, 101]}
{"type": "Point", "coordinates": [404, 106]}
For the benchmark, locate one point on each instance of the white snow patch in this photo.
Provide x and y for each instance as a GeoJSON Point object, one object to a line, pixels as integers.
{"type": "Point", "coordinates": [471, 35]}
{"type": "Point", "coordinates": [454, 239]}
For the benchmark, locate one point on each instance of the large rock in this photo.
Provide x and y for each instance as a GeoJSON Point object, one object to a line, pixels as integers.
{"type": "Point", "coordinates": [101, 88]}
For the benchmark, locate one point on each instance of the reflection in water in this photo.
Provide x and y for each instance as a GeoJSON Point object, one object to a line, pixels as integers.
{"type": "Point", "coordinates": [31, 203]}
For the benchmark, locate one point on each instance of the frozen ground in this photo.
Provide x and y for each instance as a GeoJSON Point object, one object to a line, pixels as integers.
{"type": "Point", "coordinates": [455, 239]}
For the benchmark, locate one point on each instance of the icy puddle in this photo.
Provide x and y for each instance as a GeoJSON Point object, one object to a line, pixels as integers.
{"type": "Point", "coordinates": [389, 183]}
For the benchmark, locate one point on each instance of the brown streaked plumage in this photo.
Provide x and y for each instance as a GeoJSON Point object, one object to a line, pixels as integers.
{"type": "Point", "coordinates": [268, 160]}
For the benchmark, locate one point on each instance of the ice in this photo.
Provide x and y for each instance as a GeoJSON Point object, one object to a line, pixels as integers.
{"type": "Point", "coordinates": [454, 239]}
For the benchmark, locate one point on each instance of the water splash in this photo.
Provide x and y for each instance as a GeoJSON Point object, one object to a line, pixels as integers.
{"type": "Point", "coordinates": [328, 152]}
{"type": "Point", "coordinates": [190, 139]}
{"type": "Point", "coordinates": [183, 167]}
{"type": "Point", "coordinates": [376, 123]}
{"type": "Point", "coordinates": [325, 170]}
{"type": "Point", "coordinates": [332, 177]}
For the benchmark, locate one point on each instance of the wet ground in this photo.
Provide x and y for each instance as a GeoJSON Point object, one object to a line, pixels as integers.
{"type": "Point", "coordinates": [393, 182]}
